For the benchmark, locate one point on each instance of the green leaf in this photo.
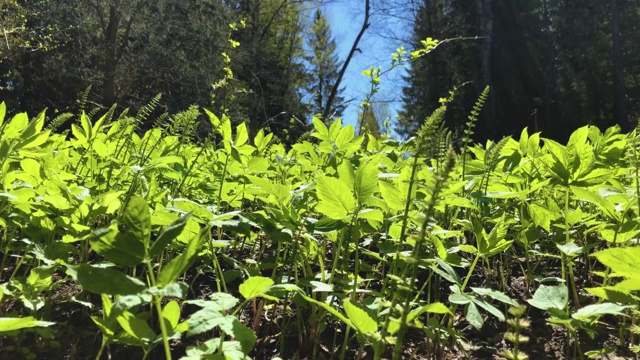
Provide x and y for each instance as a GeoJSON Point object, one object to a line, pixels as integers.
{"type": "Point", "coordinates": [32, 130]}
{"type": "Point", "coordinates": [3, 112]}
{"type": "Point", "coordinates": [120, 248]}
{"type": "Point", "coordinates": [204, 320]}
{"type": "Point", "coordinates": [473, 316]}
{"type": "Point", "coordinates": [490, 308]}
{"type": "Point", "coordinates": [360, 318]}
{"type": "Point", "coordinates": [104, 281]}
{"type": "Point", "coordinates": [392, 196]}
{"type": "Point", "coordinates": [330, 309]}
{"type": "Point", "coordinates": [136, 327]}
{"type": "Point", "coordinates": [247, 338]}
{"type": "Point", "coordinates": [366, 181]}
{"type": "Point", "coordinates": [12, 324]}
{"type": "Point", "coordinates": [494, 294]}
{"type": "Point", "coordinates": [570, 249]}
{"type": "Point", "coordinates": [255, 286]}
{"type": "Point", "coordinates": [321, 128]}
{"type": "Point", "coordinates": [181, 263]}
{"type": "Point", "coordinates": [40, 277]}
{"type": "Point", "coordinates": [336, 199]}
{"type": "Point", "coordinates": [434, 308]}
{"type": "Point", "coordinates": [137, 220]}
{"type": "Point", "coordinates": [171, 313]}
{"type": "Point", "coordinates": [345, 135]}
{"type": "Point", "coordinates": [597, 310]}
{"type": "Point", "coordinates": [168, 234]}
{"type": "Point", "coordinates": [623, 261]}
{"type": "Point", "coordinates": [589, 196]}
{"type": "Point", "coordinates": [541, 216]}
{"type": "Point", "coordinates": [242, 135]}
{"type": "Point", "coordinates": [550, 297]}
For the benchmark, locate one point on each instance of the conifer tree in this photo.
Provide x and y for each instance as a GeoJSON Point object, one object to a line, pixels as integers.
{"type": "Point", "coordinates": [324, 65]}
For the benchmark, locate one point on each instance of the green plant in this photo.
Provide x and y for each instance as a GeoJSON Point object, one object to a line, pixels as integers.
{"type": "Point", "coordinates": [516, 326]}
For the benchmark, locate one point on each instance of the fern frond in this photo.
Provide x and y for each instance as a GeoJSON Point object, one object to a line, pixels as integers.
{"type": "Point", "coordinates": [493, 154]}
{"type": "Point", "coordinates": [108, 117]}
{"type": "Point", "coordinates": [57, 121]}
{"type": "Point", "coordinates": [426, 136]}
{"type": "Point", "coordinates": [82, 101]}
{"type": "Point", "coordinates": [467, 136]}
{"type": "Point", "coordinates": [144, 112]}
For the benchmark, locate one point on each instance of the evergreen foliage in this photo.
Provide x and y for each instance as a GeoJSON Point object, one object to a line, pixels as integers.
{"type": "Point", "coordinates": [324, 69]}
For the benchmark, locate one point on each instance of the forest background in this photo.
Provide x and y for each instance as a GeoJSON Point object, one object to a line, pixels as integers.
{"type": "Point", "coordinates": [552, 65]}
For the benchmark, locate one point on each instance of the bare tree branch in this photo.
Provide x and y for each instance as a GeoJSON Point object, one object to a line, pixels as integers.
{"type": "Point", "coordinates": [354, 47]}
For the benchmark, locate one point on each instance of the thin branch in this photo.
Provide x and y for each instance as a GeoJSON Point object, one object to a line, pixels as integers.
{"type": "Point", "coordinates": [336, 86]}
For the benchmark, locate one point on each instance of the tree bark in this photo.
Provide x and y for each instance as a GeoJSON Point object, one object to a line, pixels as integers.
{"type": "Point", "coordinates": [620, 105]}
{"type": "Point", "coordinates": [484, 9]}
{"type": "Point", "coordinates": [110, 56]}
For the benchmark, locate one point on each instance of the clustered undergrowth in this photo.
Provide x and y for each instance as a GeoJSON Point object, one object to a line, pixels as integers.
{"type": "Point", "coordinates": [342, 246]}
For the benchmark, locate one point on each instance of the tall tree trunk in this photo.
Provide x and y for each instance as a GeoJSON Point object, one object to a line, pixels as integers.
{"type": "Point", "coordinates": [110, 56]}
{"type": "Point", "coordinates": [484, 9]}
{"type": "Point", "coordinates": [620, 106]}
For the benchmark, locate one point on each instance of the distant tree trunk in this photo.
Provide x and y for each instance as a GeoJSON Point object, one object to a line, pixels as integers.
{"type": "Point", "coordinates": [110, 56]}
{"type": "Point", "coordinates": [620, 106]}
{"type": "Point", "coordinates": [484, 9]}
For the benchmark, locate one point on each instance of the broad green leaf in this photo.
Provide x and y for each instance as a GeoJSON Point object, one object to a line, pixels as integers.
{"type": "Point", "coordinates": [120, 248]}
{"type": "Point", "coordinates": [394, 199]}
{"type": "Point", "coordinates": [345, 136]}
{"type": "Point", "coordinates": [473, 316]}
{"type": "Point", "coordinates": [490, 308]}
{"type": "Point", "coordinates": [321, 128]}
{"type": "Point", "coordinates": [592, 197]}
{"type": "Point", "coordinates": [40, 277]}
{"type": "Point", "coordinates": [242, 135]}
{"type": "Point", "coordinates": [571, 249]}
{"type": "Point", "coordinates": [181, 263]}
{"type": "Point", "coordinates": [104, 281]}
{"type": "Point", "coordinates": [336, 199]}
{"type": "Point", "coordinates": [597, 310]}
{"type": "Point", "coordinates": [366, 181]}
{"type": "Point", "coordinates": [610, 293]}
{"type": "Point", "coordinates": [326, 225]}
{"type": "Point", "coordinates": [247, 338]}
{"type": "Point", "coordinates": [434, 308]}
{"type": "Point", "coordinates": [137, 220]}
{"type": "Point", "coordinates": [334, 129]}
{"type": "Point", "coordinates": [136, 327]}
{"type": "Point", "coordinates": [542, 216]}
{"type": "Point", "coordinates": [86, 125]}
{"type": "Point", "coordinates": [346, 174]}
{"type": "Point", "coordinates": [319, 286]}
{"type": "Point", "coordinates": [494, 294]}
{"type": "Point", "coordinates": [168, 234]}
{"type": "Point", "coordinates": [255, 286]}
{"type": "Point", "coordinates": [171, 313]}
{"type": "Point", "coordinates": [12, 324]}
{"type": "Point", "coordinates": [331, 310]}
{"type": "Point", "coordinates": [623, 261]}
{"type": "Point", "coordinates": [34, 127]}
{"type": "Point", "coordinates": [460, 299]}
{"type": "Point", "coordinates": [360, 318]}
{"type": "Point", "coordinates": [550, 297]}
{"type": "Point", "coordinates": [371, 214]}
{"type": "Point", "coordinates": [3, 112]}
{"type": "Point", "coordinates": [15, 127]}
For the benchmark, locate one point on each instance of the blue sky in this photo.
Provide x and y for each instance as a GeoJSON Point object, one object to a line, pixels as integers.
{"type": "Point", "coordinates": [346, 17]}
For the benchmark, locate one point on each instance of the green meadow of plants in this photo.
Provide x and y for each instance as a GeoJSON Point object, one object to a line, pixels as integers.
{"type": "Point", "coordinates": [117, 244]}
